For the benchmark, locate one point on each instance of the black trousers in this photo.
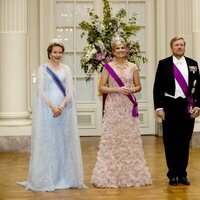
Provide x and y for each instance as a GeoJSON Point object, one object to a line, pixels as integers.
{"type": "Point", "coordinates": [177, 131]}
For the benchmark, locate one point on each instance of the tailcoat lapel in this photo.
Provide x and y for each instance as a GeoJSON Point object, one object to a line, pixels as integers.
{"type": "Point", "coordinates": [171, 80]}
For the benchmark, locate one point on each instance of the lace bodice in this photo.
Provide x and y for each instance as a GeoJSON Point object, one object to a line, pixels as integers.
{"type": "Point", "coordinates": [119, 99]}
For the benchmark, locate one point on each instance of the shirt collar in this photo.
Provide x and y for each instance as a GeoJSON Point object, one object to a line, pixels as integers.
{"type": "Point", "coordinates": [179, 61]}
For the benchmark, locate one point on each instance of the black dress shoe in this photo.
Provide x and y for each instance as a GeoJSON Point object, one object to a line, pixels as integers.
{"type": "Point", "coordinates": [184, 181]}
{"type": "Point", "coordinates": [173, 181]}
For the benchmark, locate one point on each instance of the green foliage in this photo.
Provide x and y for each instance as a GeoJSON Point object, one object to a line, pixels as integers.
{"type": "Point", "coordinates": [99, 34]}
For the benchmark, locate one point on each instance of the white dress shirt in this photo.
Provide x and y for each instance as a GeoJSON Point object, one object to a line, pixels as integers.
{"type": "Point", "coordinates": [182, 67]}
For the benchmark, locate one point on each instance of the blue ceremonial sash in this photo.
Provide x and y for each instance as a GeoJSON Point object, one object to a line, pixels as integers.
{"type": "Point", "coordinates": [57, 81]}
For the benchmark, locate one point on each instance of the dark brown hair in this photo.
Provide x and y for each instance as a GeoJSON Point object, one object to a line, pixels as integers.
{"type": "Point", "coordinates": [50, 47]}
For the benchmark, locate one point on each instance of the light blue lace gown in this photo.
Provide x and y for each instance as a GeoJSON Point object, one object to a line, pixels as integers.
{"type": "Point", "coordinates": [56, 161]}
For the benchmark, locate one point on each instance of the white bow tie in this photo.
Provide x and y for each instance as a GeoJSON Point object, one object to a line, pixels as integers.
{"type": "Point", "coordinates": [180, 62]}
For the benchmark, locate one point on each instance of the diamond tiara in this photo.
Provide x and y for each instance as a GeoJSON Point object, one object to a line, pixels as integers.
{"type": "Point", "coordinates": [117, 38]}
{"type": "Point", "coordinates": [56, 40]}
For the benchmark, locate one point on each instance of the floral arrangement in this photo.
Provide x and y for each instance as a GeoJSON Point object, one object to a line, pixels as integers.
{"type": "Point", "coordinates": [99, 34]}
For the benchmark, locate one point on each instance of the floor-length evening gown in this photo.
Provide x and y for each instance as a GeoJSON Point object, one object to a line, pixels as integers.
{"type": "Point", "coordinates": [56, 160]}
{"type": "Point", "coordinates": [120, 160]}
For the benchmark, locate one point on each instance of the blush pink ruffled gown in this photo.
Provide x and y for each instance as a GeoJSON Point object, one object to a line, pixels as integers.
{"type": "Point", "coordinates": [120, 160]}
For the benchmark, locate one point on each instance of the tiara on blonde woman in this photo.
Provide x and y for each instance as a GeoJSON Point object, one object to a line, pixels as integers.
{"type": "Point", "coordinates": [117, 38]}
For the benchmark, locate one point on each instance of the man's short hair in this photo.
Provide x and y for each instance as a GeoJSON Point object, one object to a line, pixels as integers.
{"type": "Point", "coordinates": [175, 39]}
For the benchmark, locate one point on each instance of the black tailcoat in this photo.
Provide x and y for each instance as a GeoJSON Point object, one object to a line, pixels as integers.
{"type": "Point", "coordinates": [178, 125]}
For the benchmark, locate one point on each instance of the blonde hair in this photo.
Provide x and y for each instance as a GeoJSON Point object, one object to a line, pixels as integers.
{"type": "Point", "coordinates": [117, 40]}
{"type": "Point", "coordinates": [175, 39]}
{"type": "Point", "coordinates": [116, 44]}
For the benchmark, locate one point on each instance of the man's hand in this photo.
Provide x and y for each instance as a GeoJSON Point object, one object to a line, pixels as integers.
{"type": "Point", "coordinates": [160, 114]}
{"type": "Point", "coordinates": [194, 112]}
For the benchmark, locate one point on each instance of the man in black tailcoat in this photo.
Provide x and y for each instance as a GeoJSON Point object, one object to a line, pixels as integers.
{"type": "Point", "coordinates": [177, 102]}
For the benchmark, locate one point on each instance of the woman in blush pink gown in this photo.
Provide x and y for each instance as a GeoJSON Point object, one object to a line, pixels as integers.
{"type": "Point", "coordinates": [120, 160]}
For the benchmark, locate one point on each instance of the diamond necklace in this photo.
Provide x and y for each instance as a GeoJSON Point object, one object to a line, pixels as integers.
{"type": "Point", "coordinates": [121, 65]}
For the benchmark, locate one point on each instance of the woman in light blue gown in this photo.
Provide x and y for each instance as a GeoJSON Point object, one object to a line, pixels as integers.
{"type": "Point", "coordinates": [56, 161]}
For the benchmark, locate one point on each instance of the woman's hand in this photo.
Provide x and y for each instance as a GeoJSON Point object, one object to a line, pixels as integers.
{"type": "Point", "coordinates": [62, 106]}
{"type": "Point", "coordinates": [57, 111]}
{"type": "Point", "coordinates": [124, 90]}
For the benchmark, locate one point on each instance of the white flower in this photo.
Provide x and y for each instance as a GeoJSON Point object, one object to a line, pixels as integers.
{"type": "Point", "coordinates": [102, 27]}
{"type": "Point", "coordinates": [99, 66]}
{"type": "Point", "coordinates": [101, 45]}
{"type": "Point", "coordinates": [89, 52]}
{"type": "Point", "coordinates": [93, 51]}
